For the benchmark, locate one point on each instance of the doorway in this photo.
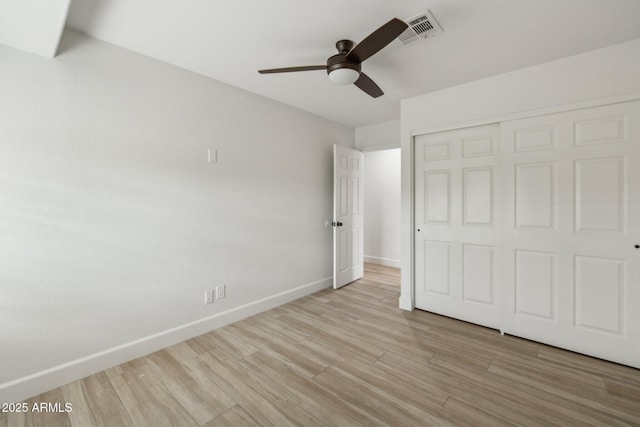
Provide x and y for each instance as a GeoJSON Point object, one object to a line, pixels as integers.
{"type": "Point", "coordinates": [382, 222]}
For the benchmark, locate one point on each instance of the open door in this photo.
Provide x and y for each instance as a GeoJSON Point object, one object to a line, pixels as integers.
{"type": "Point", "coordinates": [347, 216]}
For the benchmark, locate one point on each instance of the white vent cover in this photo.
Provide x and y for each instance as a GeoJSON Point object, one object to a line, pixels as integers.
{"type": "Point", "coordinates": [420, 27]}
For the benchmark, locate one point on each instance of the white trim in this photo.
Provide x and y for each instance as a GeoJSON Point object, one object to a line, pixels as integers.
{"type": "Point", "coordinates": [397, 263]}
{"type": "Point", "coordinates": [40, 382]}
{"type": "Point", "coordinates": [379, 147]}
{"type": "Point", "coordinates": [407, 280]}
{"type": "Point", "coordinates": [406, 304]}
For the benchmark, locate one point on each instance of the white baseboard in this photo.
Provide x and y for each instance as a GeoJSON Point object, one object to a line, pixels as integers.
{"type": "Point", "coordinates": [405, 303]}
{"type": "Point", "coordinates": [40, 382]}
{"type": "Point", "coordinates": [383, 261]}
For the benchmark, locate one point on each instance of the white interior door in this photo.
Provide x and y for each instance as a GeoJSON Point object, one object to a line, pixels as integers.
{"type": "Point", "coordinates": [348, 255]}
{"type": "Point", "coordinates": [457, 224]}
{"type": "Point", "coordinates": [572, 221]}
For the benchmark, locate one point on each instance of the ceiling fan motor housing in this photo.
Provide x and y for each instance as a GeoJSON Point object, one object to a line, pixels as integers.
{"type": "Point", "coordinates": [340, 60]}
{"type": "Point", "coordinates": [341, 70]}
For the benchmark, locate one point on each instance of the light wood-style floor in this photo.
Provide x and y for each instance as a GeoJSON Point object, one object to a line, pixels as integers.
{"type": "Point", "coordinates": [350, 357]}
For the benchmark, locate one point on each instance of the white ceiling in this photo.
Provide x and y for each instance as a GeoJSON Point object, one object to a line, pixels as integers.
{"type": "Point", "coordinates": [229, 40]}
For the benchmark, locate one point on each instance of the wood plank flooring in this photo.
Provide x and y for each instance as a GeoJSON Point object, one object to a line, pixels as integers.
{"type": "Point", "coordinates": [350, 358]}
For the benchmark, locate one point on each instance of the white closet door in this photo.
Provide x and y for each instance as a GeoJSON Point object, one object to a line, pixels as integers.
{"type": "Point", "coordinates": [457, 224]}
{"type": "Point", "coordinates": [571, 223]}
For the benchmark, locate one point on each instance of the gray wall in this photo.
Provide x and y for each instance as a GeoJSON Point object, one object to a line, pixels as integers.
{"type": "Point", "coordinates": [114, 224]}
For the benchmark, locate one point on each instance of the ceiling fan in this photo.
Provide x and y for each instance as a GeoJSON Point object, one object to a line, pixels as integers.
{"type": "Point", "coordinates": [345, 67]}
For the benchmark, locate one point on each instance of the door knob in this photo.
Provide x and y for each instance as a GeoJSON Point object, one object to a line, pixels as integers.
{"type": "Point", "coordinates": [637, 246]}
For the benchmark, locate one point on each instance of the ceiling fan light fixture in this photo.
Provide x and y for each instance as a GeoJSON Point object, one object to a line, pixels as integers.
{"type": "Point", "coordinates": [344, 76]}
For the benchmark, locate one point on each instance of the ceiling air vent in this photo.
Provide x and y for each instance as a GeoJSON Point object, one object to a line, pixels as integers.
{"type": "Point", "coordinates": [420, 27]}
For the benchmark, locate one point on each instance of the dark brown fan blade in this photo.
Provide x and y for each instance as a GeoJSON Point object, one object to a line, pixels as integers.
{"type": "Point", "coordinates": [377, 40]}
{"type": "Point", "coordinates": [293, 69]}
{"type": "Point", "coordinates": [365, 83]}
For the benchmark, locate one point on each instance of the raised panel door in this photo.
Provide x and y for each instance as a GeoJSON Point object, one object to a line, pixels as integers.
{"type": "Point", "coordinates": [457, 234]}
{"type": "Point", "coordinates": [571, 276]}
{"type": "Point", "coordinates": [348, 254]}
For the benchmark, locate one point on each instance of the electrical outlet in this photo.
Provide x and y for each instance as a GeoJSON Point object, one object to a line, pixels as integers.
{"type": "Point", "coordinates": [208, 297]}
{"type": "Point", "coordinates": [220, 291]}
